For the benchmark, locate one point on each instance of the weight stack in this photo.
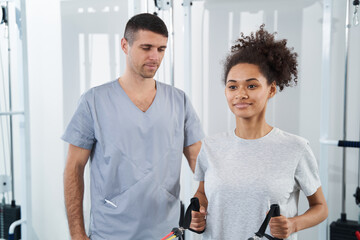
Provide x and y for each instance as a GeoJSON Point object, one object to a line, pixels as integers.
{"type": "Point", "coordinates": [10, 215]}
{"type": "Point", "coordinates": [344, 230]}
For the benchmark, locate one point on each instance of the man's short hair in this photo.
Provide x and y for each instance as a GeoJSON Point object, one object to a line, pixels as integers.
{"type": "Point", "coordinates": [144, 21]}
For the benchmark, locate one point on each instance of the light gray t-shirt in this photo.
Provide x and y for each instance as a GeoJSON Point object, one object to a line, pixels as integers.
{"type": "Point", "coordinates": [244, 177]}
{"type": "Point", "coordinates": [135, 160]}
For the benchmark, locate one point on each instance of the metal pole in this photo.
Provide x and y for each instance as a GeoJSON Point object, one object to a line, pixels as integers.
{"type": "Point", "coordinates": [325, 107]}
{"type": "Point", "coordinates": [187, 46]}
{"type": "Point", "coordinates": [356, 4]}
{"type": "Point", "coordinates": [347, 27]}
{"type": "Point", "coordinates": [172, 49]}
{"type": "Point", "coordinates": [187, 81]}
{"type": "Point", "coordinates": [10, 116]}
{"type": "Point", "coordinates": [27, 231]}
{"type": "Point", "coordinates": [11, 113]}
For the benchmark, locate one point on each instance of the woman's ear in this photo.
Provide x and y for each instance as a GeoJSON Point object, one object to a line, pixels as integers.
{"type": "Point", "coordinates": [273, 89]}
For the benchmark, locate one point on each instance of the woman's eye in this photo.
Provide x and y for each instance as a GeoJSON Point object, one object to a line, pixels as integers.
{"type": "Point", "coordinates": [252, 86]}
{"type": "Point", "coordinates": [232, 87]}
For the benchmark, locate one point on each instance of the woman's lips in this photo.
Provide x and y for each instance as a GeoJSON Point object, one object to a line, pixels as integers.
{"type": "Point", "coordinates": [242, 105]}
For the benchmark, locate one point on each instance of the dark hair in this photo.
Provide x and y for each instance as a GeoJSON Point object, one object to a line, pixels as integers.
{"type": "Point", "coordinates": [275, 60]}
{"type": "Point", "coordinates": [144, 21]}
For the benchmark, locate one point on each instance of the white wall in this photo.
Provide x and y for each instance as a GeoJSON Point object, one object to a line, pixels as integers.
{"type": "Point", "coordinates": [73, 45]}
{"type": "Point", "coordinates": [46, 114]}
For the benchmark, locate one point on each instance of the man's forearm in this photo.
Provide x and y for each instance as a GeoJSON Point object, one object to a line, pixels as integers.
{"type": "Point", "coordinates": [191, 152]}
{"type": "Point", "coordinates": [74, 193]}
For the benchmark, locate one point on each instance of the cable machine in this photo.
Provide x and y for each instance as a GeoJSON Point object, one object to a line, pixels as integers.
{"type": "Point", "coordinates": [10, 214]}
{"type": "Point", "coordinates": [343, 228]}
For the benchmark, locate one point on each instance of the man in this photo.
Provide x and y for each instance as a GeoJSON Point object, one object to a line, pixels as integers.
{"type": "Point", "coordinates": [134, 130]}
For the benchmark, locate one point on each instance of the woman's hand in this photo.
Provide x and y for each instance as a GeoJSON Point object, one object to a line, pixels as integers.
{"type": "Point", "coordinates": [281, 227]}
{"type": "Point", "coordinates": [198, 219]}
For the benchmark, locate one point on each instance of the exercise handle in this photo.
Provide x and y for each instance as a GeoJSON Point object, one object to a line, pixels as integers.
{"type": "Point", "coordinates": [276, 213]}
{"type": "Point", "coordinates": [276, 210]}
{"type": "Point", "coordinates": [195, 204]}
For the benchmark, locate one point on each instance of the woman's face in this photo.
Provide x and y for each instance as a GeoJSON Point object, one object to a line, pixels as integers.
{"type": "Point", "coordinates": [247, 91]}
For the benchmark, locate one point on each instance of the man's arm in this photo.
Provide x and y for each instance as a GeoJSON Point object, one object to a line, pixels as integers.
{"type": "Point", "coordinates": [198, 221]}
{"type": "Point", "coordinates": [191, 152]}
{"type": "Point", "coordinates": [74, 190]}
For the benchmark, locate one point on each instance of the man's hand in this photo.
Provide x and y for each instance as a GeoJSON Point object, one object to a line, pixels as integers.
{"type": "Point", "coordinates": [198, 219]}
{"type": "Point", "coordinates": [281, 227]}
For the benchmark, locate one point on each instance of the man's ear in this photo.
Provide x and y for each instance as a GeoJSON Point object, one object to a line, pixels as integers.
{"type": "Point", "coordinates": [125, 45]}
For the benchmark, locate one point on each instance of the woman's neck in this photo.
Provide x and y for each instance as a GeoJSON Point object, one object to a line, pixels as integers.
{"type": "Point", "coordinates": [251, 129]}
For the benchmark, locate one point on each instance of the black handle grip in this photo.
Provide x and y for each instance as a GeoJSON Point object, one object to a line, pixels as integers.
{"type": "Point", "coordinates": [276, 213]}
{"type": "Point", "coordinates": [354, 144]}
{"type": "Point", "coordinates": [195, 204]}
{"type": "Point", "coordinates": [276, 210]}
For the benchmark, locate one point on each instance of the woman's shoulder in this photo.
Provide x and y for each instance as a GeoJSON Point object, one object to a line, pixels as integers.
{"type": "Point", "coordinates": [290, 139]}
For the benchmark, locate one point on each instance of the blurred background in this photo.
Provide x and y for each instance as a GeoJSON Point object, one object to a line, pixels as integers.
{"type": "Point", "coordinates": [52, 51]}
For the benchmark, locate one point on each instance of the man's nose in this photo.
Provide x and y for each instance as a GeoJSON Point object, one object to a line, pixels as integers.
{"type": "Point", "coordinates": [154, 54]}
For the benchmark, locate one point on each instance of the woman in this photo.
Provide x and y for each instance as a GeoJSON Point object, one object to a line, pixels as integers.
{"type": "Point", "coordinates": [244, 171]}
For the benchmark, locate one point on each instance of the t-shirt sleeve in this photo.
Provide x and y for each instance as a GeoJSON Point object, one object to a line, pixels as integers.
{"type": "Point", "coordinates": [201, 165]}
{"type": "Point", "coordinates": [307, 173]}
{"type": "Point", "coordinates": [193, 131]}
{"type": "Point", "coordinates": [80, 131]}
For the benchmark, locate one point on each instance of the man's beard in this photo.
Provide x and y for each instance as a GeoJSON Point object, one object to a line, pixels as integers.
{"type": "Point", "coordinates": [148, 74]}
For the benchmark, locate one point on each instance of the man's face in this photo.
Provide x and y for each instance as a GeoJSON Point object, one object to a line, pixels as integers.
{"type": "Point", "coordinates": [145, 54]}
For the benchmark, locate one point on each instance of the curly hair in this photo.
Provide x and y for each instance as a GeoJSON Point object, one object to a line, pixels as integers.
{"type": "Point", "coordinates": [275, 60]}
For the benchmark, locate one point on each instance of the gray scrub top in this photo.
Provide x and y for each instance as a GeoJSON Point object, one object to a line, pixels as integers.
{"type": "Point", "coordinates": [135, 159]}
